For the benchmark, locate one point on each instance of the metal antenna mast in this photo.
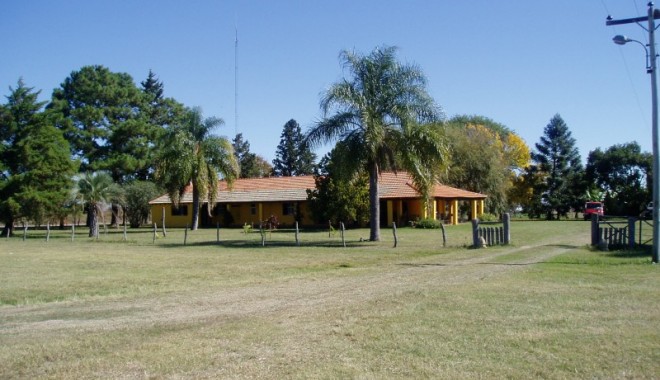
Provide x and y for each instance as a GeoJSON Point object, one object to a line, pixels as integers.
{"type": "Point", "coordinates": [236, 82]}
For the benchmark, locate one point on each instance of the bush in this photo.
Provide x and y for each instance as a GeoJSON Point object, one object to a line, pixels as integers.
{"type": "Point", "coordinates": [427, 223]}
{"type": "Point", "coordinates": [136, 203]}
{"type": "Point", "coordinates": [486, 217]}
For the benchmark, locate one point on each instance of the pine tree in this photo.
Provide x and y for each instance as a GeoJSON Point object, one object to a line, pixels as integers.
{"type": "Point", "coordinates": [557, 157]}
{"type": "Point", "coordinates": [251, 165]}
{"type": "Point", "coordinates": [35, 160]}
{"type": "Point", "coordinates": [293, 156]}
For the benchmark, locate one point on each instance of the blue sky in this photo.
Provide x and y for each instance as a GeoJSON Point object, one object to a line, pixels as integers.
{"type": "Point", "coordinates": [516, 62]}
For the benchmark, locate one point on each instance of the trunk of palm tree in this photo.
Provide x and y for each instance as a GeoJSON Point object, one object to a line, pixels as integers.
{"type": "Point", "coordinates": [195, 208]}
{"type": "Point", "coordinates": [114, 221]}
{"type": "Point", "coordinates": [93, 222]}
{"type": "Point", "coordinates": [374, 204]}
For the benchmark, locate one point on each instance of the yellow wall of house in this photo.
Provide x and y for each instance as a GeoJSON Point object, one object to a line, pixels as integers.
{"type": "Point", "coordinates": [174, 221]}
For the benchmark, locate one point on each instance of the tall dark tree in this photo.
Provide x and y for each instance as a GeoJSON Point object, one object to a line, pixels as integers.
{"type": "Point", "coordinates": [101, 119]}
{"type": "Point", "coordinates": [154, 88]}
{"type": "Point", "coordinates": [159, 112]}
{"type": "Point", "coordinates": [293, 156]}
{"type": "Point", "coordinates": [623, 173]}
{"type": "Point", "coordinates": [251, 165]}
{"type": "Point", "coordinates": [558, 158]}
{"type": "Point", "coordinates": [383, 113]}
{"type": "Point", "coordinates": [35, 163]}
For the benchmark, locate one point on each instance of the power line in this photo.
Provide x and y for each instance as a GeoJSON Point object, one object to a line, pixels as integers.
{"type": "Point", "coordinates": [627, 69]}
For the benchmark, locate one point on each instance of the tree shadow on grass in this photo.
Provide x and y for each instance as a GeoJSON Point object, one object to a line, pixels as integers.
{"type": "Point", "coordinates": [253, 244]}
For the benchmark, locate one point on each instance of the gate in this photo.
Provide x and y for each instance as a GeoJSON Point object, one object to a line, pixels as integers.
{"type": "Point", "coordinates": [491, 233]}
{"type": "Point", "coordinates": [615, 232]}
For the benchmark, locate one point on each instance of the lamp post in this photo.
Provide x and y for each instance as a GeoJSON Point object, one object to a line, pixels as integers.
{"type": "Point", "coordinates": [651, 59]}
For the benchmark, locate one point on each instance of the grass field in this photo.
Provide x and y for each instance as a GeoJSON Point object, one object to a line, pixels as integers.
{"type": "Point", "coordinates": [545, 306]}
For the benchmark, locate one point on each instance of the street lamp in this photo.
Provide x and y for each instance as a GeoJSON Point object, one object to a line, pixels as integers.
{"type": "Point", "coordinates": [651, 60]}
{"type": "Point", "coordinates": [622, 40]}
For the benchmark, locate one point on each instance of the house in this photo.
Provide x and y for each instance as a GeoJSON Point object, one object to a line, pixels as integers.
{"type": "Point", "coordinates": [252, 200]}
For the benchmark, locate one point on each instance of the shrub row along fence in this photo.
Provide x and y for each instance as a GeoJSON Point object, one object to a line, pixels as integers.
{"type": "Point", "coordinates": [491, 233]}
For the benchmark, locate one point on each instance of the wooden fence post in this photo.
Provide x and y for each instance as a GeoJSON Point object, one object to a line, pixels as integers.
{"type": "Point", "coordinates": [343, 241]}
{"type": "Point", "coordinates": [25, 228]}
{"type": "Point", "coordinates": [475, 233]}
{"type": "Point", "coordinates": [48, 231]}
{"type": "Point", "coordinates": [73, 231]}
{"type": "Point", "coordinates": [507, 228]}
{"type": "Point", "coordinates": [263, 234]}
{"type": "Point", "coordinates": [297, 241]}
{"type": "Point", "coordinates": [444, 235]}
{"type": "Point", "coordinates": [163, 222]}
{"type": "Point", "coordinates": [396, 240]}
{"type": "Point", "coordinates": [595, 235]}
{"type": "Point", "coordinates": [155, 229]}
{"type": "Point", "coordinates": [217, 232]}
{"type": "Point", "coordinates": [631, 232]}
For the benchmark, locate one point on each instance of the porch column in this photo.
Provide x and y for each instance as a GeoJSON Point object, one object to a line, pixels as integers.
{"type": "Point", "coordinates": [454, 211]}
{"type": "Point", "coordinates": [474, 209]}
{"type": "Point", "coordinates": [442, 207]}
{"type": "Point", "coordinates": [481, 207]}
{"type": "Point", "coordinates": [435, 209]}
{"type": "Point", "coordinates": [261, 212]}
{"type": "Point", "coordinates": [390, 212]}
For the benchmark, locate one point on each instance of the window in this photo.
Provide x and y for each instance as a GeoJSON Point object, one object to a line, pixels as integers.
{"type": "Point", "coordinates": [253, 209]}
{"type": "Point", "coordinates": [182, 210]}
{"type": "Point", "coordinates": [288, 208]}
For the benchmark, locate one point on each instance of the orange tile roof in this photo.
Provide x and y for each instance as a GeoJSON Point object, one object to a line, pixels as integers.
{"type": "Point", "coordinates": [294, 189]}
{"type": "Point", "coordinates": [400, 185]}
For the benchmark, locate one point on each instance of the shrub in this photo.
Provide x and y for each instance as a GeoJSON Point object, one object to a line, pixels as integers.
{"type": "Point", "coordinates": [486, 217]}
{"type": "Point", "coordinates": [427, 223]}
{"type": "Point", "coordinates": [136, 203]}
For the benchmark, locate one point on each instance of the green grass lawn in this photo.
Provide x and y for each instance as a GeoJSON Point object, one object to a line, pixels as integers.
{"type": "Point", "coordinates": [545, 306]}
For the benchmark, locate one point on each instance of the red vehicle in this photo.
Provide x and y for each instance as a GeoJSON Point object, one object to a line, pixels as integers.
{"type": "Point", "coordinates": [591, 208]}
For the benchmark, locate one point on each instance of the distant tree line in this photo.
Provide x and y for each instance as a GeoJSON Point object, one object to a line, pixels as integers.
{"type": "Point", "coordinates": [102, 139]}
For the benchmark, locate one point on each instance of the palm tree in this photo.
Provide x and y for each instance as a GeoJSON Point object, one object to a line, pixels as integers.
{"type": "Point", "coordinates": [96, 190]}
{"type": "Point", "coordinates": [191, 155]}
{"type": "Point", "coordinates": [385, 118]}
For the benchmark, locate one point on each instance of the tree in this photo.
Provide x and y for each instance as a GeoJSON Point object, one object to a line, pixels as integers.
{"type": "Point", "coordinates": [191, 155]}
{"type": "Point", "coordinates": [487, 157]}
{"type": "Point", "coordinates": [338, 197]}
{"type": "Point", "coordinates": [623, 173]}
{"type": "Point", "coordinates": [35, 165]}
{"type": "Point", "coordinates": [251, 165]}
{"type": "Point", "coordinates": [293, 156]}
{"type": "Point", "coordinates": [137, 195]}
{"type": "Point", "coordinates": [96, 190]}
{"type": "Point", "coordinates": [383, 115]}
{"type": "Point", "coordinates": [478, 163]}
{"type": "Point", "coordinates": [558, 158]}
{"type": "Point", "coordinates": [102, 121]}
